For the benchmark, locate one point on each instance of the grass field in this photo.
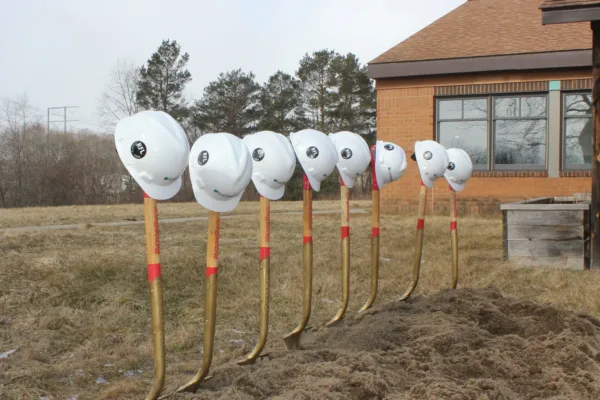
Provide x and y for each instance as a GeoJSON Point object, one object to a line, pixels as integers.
{"type": "Point", "coordinates": [74, 303]}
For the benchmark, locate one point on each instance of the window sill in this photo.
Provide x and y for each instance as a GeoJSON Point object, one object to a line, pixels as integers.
{"type": "Point", "coordinates": [510, 174]}
{"type": "Point", "coordinates": [576, 174]}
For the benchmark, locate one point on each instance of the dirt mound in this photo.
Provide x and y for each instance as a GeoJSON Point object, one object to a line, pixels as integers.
{"type": "Point", "coordinates": [464, 344]}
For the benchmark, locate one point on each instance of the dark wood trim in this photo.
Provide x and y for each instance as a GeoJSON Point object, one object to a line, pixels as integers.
{"type": "Point", "coordinates": [576, 84]}
{"type": "Point", "coordinates": [564, 15]}
{"type": "Point", "coordinates": [514, 62]}
{"type": "Point", "coordinates": [576, 174]}
{"type": "Point", "coordinates": [595, 205]}
{"type": "Point", "coordinates": [510, 174]}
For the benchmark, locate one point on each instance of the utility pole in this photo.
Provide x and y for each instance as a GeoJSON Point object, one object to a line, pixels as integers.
{"type": "Point", "coordinates": [64, 120]}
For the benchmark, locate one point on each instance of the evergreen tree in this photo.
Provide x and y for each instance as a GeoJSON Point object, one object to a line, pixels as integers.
{"type": "Point", "coordinates": [281, 101]}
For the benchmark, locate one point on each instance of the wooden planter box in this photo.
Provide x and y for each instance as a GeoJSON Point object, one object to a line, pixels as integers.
{"type": "Point", "coordinates": [547, 232]}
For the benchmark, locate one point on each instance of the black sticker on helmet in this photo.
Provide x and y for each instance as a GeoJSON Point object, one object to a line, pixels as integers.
{"type": "Point", "coordinates": [258, 154]}
{"type": "Point", "coordinates": [346, 153]}
{"type": "Point", "coordinates": [138, 149]}
{"type": "Point", "coordinates": [203, 157]}
{"type": "Point", "coordinates": [427, 155]}
{"type": "Point", "coordinates": [312, 152]}
{"type": "Point", "coordinates": [388, 147]}
{"type": "Point", "coordinates": [451, 166]}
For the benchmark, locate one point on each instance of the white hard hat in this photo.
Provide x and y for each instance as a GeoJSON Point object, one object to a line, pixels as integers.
{"type": "Point", "coordinates": [220, 170]}
{"type": "Point", "coordinates": [353, 155]}
{"type": "Point", "coordinates": [154, 149]}
{"type": "Point", "coordinates": [432, 160]}
{"type": "Point", "coordinates": [390, 162]}
{"type": "Point", "coordinates": [316, 154]}
{"type": "Point", "coordinates": [273, 162]}
{"type": "Point", "coordinates": [459, 169]}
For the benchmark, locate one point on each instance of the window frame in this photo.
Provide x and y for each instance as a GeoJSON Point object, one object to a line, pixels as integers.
{"type": "Point", "coordinates": [563, 130]}
{"type": "Point", "coordinates": [491, 132]}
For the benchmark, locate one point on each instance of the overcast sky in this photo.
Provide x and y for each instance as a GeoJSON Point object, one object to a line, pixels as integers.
{"type": "Point", "coordinates": [61, 51]}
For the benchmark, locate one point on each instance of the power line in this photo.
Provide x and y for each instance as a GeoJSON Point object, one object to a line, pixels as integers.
{"type": "Point", "coordinates": [64, 120]}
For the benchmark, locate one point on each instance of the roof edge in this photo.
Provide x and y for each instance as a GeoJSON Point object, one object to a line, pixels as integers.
{"type": "Point", "coordinates": [555, 15]}
{"type": "Point", "coordinates": [510, 62]}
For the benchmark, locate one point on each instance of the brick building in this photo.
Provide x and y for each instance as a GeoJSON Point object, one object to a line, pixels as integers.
{"type": "Point", "coordinates": [488, 77]}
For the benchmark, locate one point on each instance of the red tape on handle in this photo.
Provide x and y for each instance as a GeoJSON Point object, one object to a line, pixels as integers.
{"type": "Point", "coordinates": [453, 225]}
{"type": "Point", "coordinates": [210, 271]}
{"type": "Point", "coordinates": [420, 224]}
{"type": "Point", "coordinates": [345, 232]}
{"type": "Point", "coordinates": [375, 232]}
{"type": "Point", "coordinates": [154, 272]}
{"type": "Point", "coordinates": [307, 239]}
{"type": "Point", "coordinates": [264, 253]}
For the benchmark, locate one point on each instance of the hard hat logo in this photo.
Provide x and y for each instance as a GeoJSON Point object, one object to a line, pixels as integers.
{"type": "Point", "coordinates": [427, 155]}
{"type": "Point", "coordinates": [203, 157]}
{"type": "Point", "coordinates": [388, 147]}
{"type": "Point", "coordinates": [451, 166]}
{"type": "Point", "coordinates": [258, 154]}
{"type": "Point", "coordinates": [312, 152]}
{"type": "Point", "coordinates": [138, 149]}
{"type": "Point", "coordinates": [346, 154]}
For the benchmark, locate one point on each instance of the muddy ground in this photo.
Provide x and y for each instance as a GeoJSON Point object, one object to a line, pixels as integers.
{"type": "Point", "coordinates": [464, 344]}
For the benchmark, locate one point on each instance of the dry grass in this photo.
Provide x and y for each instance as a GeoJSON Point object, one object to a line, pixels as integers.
{"type": "Point", "coordinates": [74, 304]}
{"type": "Point", "coordinates": [67, 215]}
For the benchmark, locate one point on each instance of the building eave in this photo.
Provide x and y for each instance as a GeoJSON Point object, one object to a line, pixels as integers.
{"type": "Point", "coordinates": [570, 14]}
{"type": "Point", "coordinates": [512, 62]}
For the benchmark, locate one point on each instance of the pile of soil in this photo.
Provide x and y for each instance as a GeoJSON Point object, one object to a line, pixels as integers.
{"type": "Point", "coordinates": [463, 344]}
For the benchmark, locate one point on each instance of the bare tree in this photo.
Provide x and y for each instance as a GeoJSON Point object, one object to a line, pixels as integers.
{"type": "Point", "coordinates": [119, 99]}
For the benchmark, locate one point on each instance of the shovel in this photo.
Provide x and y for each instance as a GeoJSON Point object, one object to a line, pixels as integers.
{"type": "Point", "coordinates": [454, 237]}
{"type": "Point", "coordinates": [374, 235]}
{"type": "Point", "coordinates": [292, 340]}
{"type": "Point", "coordinates": [345, 245]}
{"type": "Point", "coordinates": [156, 294]}
{"type": "Point", "coordinates": [264, 256]}
{"type": "Point", "coordinates": [210, 303]}
{"type": "Point", "coordinates": [419, 242]}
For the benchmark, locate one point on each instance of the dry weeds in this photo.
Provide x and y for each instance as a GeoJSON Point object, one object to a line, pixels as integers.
{"type": "Point", "coordinates": [74, 304]}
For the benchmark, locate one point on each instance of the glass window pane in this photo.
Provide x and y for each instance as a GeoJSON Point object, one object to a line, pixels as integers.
{"type": "Point", "coordinates": [450, 109]}
{"type": "Point", "coordinates": [506, 107]}
{"type": "Point", "coordinates": [475, 108]}
{"type": "Point", "coordinates": [471, 136]}
{"type": "Point", "coordinates": [578, 146]}
{"type": "Point", "coordinates": [533, 107]}
{"type": "Point", "coordinates": [578, 104]}
{"type": "Point", "coordinates": [520, 142]}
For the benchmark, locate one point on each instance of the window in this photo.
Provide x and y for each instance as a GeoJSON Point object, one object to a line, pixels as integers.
{"type": "Point", "coordinates": [577, 131]}
{"type": "Point", "coordinates": [498, 132]}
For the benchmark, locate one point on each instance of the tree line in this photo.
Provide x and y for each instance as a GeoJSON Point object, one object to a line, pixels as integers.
{"type": "Point", "coordinates": [329, 92]}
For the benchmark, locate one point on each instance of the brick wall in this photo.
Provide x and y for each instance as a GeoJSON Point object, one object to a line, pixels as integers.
{"type": "Point", "coordinates": [405, 114]}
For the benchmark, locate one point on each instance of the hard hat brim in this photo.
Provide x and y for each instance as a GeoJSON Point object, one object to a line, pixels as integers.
{"type": "Point", "coordinates": [314, 184]}
{"type": "Point", "coordinates": [457, 187]}
{"type": "Point", "coordinates": [378, 171]}
{"type": "Point", "coordinates": [157, 192]}
{"type": "Point", "coordinates": [269, 192]}
{"type": "Point", "coordinates": [212, 204]}
{"type": "Point", "coordinates": [348, 180]}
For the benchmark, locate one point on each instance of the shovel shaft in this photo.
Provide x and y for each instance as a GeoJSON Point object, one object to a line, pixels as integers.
{"type": "Point", "coordinates": [156, 295]}
{"type": "Point", "coordinates": [210, 303]}
{"type": "Point", "coordinates": [264, 265]}
{"type": "Point", "coordinates": [454, 237]}
{"type": "Point", "coordinates": [292, 340]}
{"type": "Point", "coordinates": [419, 242]}
{"type": "Point", "coordinates": [345, 256]}
{"type": "Point", "coordinates": [374, 235]}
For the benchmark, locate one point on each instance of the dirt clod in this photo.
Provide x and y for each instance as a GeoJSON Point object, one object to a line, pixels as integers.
{"type": "Point", "coordinates": [463, 344]}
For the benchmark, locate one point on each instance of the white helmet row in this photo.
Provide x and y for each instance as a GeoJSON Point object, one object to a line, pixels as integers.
{"type": "Point", "coordinates": [155, 151]}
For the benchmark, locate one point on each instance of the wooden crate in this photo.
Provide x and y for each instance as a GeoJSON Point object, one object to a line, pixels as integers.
{"type": "Point", "coordinates": [547, 232]}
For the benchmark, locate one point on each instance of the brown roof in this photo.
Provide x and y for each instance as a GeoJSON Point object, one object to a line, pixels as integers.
{"type": "Point", "coordinates": [490, 27]}
{"type": "Point", "coordinates": [568, 3]}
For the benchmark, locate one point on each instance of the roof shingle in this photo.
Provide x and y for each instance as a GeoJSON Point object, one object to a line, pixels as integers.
{"type": "Point", "coordinates": [481, 28]}
{"type": "Point", "coordinates": [567, 3]}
